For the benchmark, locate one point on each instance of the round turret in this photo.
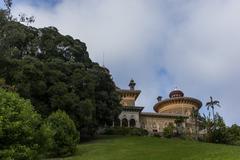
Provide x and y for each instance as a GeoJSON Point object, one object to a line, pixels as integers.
{"type": "Point", "coordinates": [177, 103]}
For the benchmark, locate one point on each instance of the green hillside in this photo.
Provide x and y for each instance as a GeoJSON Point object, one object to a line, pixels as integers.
{"type": "Point", "coordinates": [153, 148]}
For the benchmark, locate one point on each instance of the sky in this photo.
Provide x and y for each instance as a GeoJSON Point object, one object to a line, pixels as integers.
{"type": "Point", "coordinates": [161, 44]}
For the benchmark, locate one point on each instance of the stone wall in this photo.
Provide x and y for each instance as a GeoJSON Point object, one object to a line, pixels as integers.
{"type": "Point", "coordinates": [155, 124]}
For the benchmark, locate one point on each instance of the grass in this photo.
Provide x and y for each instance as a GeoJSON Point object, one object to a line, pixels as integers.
{"type": "Point", "coordinates": [153, 148]}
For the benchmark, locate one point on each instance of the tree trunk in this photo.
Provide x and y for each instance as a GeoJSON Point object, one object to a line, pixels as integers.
{"type": "Point", "coordinates": [213, 117]}
{"type": "Point", "coordinates": [213, 114]}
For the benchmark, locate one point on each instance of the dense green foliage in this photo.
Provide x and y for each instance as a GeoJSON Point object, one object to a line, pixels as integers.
{"type": "Point", "coordinates": [55, 72]}
{"type": "Point", "coordinates": [179, 126]}
{"type": "Point", "coordinates": [153, 148]}
{"type": "Point", "coordinates": [65, 134]}
{"type": "Point", "coordinates": [22, 136]}
{"type": "Point", "coordinates": [233, 135]}
{"type": "Point", "coordinates": [218, 132]}
{"type": "Point", "coordinates": [168, 131]}
{"type": "Point", "coordinates": [126, 131]}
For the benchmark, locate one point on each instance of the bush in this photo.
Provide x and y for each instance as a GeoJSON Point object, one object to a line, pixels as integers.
{"type": "Point", "coordinates": [138, 132]}
{"type": "Point", "coordinates": [19, 152]}
{"type": "Point", "coordinates": [218, 132]}
{"type": "Point", "coordinates": [233, 135]}
{"type": "Point", "coordinates": [126, 131]}
{"type": "Point", "coordinates": [66, 136]}
{"type": "Point", "coordinates": [21, 135]}
{"type": "Point", "coordinates": [168, 131]}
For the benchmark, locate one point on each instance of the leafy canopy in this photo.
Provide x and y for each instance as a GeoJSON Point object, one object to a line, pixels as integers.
{"type": "Point", "coordinates": [55, 72]}
{"type": "Point", "coordinates": [21, 134]}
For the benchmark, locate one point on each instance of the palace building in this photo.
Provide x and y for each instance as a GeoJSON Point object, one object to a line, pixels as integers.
{"type": "Point", "coordinates": [166, 111]}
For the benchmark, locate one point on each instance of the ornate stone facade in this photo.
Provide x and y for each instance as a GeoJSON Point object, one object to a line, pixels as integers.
{"type": "Point", "coordinates": [166, 111]}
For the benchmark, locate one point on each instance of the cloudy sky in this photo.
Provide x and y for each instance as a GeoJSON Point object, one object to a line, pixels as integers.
{"type": "Point", "coordinates": [161, 44]}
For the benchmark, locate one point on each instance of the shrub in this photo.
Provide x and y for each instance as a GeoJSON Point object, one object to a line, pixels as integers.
{"type": "Point", "coordinates": [138, 132]}
{"type": "Point", "coordinates": [233, 135]}
{"type": "Point", "coordinates": [168, 131]}
{"type": "Point", "coordinates": [66, 136]}
{"type": "Point", "coordinates": [218, 133]}
{"type": "Point", "coordinates": [21, 133]}
{"type": "Point", "coordinates": [126, 131]}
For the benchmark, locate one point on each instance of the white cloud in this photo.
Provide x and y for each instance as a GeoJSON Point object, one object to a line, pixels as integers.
{"type": "Point", "coordinates": [204, 53]}
{"type": "Point", "coordinates": [192, 44]}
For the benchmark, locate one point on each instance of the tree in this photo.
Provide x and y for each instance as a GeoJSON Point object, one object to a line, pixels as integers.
{"type": "Point", "coordinates": [168, 131]}
{"type": "Point", "coordinates": [8, 4]}
{"type": "Point", "coordinates": [24, 19]}
{"type": "Point", "coordinates": [66, 136]}
{"type": "Point", "coordinates": [22, 135]}
{"type": "Point", "coordinates": [55, 72]}
{"type": "Point", "coordinates": [207, 124]}
{"type": "Point", "coordinates": [219, 131]}
{"type": "Point", "coordinates": [179, 125]}
{"type": "Point", "coordinates": [211, 104]}
{"type": "Point", "coordinates": [5, 86]}
{"type": "Point", "coordinates": [233, 135]}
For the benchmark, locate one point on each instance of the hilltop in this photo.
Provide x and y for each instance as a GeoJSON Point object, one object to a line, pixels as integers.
{"type": "Point", "coordinates": [153, 148]}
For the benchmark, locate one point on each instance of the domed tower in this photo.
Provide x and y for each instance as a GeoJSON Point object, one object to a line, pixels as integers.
{"type": "Point", "coordinates": [129, 96]}
{"type": "Point", "coordinates": [177, 103]}
{"type": "Point", "coordinates": [129, 117]}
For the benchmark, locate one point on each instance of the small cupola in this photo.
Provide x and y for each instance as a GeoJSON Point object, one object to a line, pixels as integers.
{"type": "Point", "coordinates": [132, 84]}
{"type": "Point", "coordinates": [159, 98]}
{"type": "Point", "coordinates": [176, 93]}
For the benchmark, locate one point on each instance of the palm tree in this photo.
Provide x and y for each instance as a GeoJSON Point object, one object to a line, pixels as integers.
{"type": "Point", "coordinates": [211, 104]}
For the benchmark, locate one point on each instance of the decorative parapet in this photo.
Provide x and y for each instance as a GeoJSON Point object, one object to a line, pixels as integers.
{"type": "Point", "coordinates": [164, 115]}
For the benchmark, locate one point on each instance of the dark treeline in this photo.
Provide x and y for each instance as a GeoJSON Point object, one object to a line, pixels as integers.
{"type": "Point", "coordinates": [55, 72]}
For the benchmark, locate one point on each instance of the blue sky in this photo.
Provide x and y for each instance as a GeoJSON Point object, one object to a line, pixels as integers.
{"type": "Point", "coordinates": [39, 3]}
{"type": "Point", "coordinates": [35, 3]}
{"type": "Point", "coordinates": [191, 44]}
{"type": "Point", "coordinates": [1, 3]}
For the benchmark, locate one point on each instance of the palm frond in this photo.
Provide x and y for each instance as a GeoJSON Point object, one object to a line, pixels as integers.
{"type": "Point", "coordinates": [208, 104]}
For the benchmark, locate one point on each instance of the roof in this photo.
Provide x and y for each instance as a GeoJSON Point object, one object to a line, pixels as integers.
{"type": "Point", "coordinates": [133, 108]}
{"type": "Point", "coordinates": [166, 115]}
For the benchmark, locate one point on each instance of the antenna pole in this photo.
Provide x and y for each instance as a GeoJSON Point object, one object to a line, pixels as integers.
{"type": "Point", "coordinates": [103, 60]}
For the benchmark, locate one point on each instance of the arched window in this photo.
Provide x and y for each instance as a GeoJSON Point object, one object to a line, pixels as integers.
{"type": "Point", "coordinates": [124, 122]}
{"type": "Point", "coordinates": [132, 123]}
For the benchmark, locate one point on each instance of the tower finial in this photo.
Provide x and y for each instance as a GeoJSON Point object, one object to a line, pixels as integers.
{"type": "Point", "coordinates": [132, 84]}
